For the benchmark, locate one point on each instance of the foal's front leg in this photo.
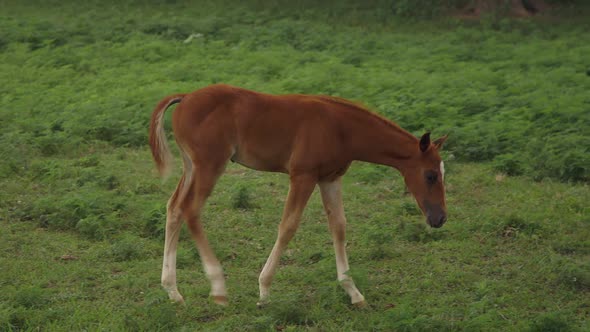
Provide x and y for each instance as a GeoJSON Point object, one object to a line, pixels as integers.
{"type": "Point", "coordinates": [300, 190]}
{"type": "Point", "coordinates": [332, 199]}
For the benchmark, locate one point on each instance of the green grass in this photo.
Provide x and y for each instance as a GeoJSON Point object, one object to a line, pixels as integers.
{"type": "Point", "coordinates": [82, 210]}
{"type": "Point", "coordinates": [514, 256]}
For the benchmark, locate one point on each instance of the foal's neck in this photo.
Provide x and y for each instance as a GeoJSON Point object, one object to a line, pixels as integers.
{"type": "Point", "coordinates": [380, 141]}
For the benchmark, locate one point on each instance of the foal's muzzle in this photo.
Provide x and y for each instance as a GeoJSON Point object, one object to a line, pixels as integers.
{"type": "Point", "coordinates": [437, 223]}
{"type": "Point", "coordinates": [435, 215]}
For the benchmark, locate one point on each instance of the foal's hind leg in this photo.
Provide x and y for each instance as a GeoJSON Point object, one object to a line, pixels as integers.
{"type": "Point", "coordinates": [173, 224]}
{"type": "Point", "coordinates": [204, 178]}
{"type": "Point", "coordinates": [332, 199]}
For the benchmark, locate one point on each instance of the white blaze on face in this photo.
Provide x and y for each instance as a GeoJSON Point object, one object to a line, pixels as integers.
{"type": "Point", "coordinates": [442, 169]}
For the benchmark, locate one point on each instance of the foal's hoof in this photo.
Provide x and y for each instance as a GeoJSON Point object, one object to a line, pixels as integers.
{"type": "Point", "coordinates": [262, 304]}
{"type": "Point", "coordinates": [175, 297]}
{"type": "Point", "coordinates": [220, 299]}
{"type": "Point", "coordinates": [361, 304]}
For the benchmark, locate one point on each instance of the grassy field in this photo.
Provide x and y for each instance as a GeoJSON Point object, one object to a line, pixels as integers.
{"type": "Point", "coordinates": [82, 210]}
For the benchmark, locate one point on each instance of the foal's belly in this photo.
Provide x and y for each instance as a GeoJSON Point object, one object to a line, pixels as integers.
{"type": "Point", "coordinates": [266, 162]}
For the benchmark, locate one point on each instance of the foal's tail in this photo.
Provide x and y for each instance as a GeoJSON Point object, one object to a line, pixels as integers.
{"type": "Point", "coordinates": [158, 141]}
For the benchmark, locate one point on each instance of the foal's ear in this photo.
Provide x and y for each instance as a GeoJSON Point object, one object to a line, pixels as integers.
{"type": "Point", "coordinates": [438, 143]}
{"type": "Point", "coordinates": [425, 142]}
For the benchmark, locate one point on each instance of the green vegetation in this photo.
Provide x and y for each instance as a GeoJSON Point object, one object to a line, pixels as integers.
{"type": "Point", "coordinates": [82, 210]}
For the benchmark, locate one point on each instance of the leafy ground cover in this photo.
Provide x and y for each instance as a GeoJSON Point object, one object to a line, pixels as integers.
{"type": "Point", "coordinates": [83, 211]}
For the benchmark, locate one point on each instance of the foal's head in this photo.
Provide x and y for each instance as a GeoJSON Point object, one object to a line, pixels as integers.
{"type": "Point", "coordinates": [425, 180]}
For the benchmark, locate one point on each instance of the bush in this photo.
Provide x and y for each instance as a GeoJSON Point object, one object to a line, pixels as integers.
{"type": "Point", "coordinates": [10, 165]}
{"type": "Point", "coordinates": [155, 222]}
{"type": "Point", "coordinates": [508, 164]}
{"type": "Point", "coordinates": [88, 161]}
{"type": "Point", "coordinates": [575, 276]}
{"type": "Point", "coordinates": [242, 199]}
{"type": "Point", "coordinates": [127, 248]}
{"type": "Point", "coordinates": [514, 225]}
{"type": "Point", "coordinates": [370, 174]}
{"type": "Point", "coordinates": [422, 8]}
{"type": "Point", "coordinates": [551, 322]}
{"type": "Point", "coordinates": [31, 297]}
{"type": "Point", "coordinates": [410, 208]}
{"type": "Point", "coordinates": [64, 212]}
{"type": "Point", "coordinates": [569, 247]}
{"type": "Point", "coordinates": [564, 156]}
{"type": "Point", "coordinates": [96, 227]}
{"type": "Point", "coordinates": [18, 319]}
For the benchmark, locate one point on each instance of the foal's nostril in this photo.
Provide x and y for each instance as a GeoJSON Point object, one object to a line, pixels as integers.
{"type": "Point", "coordinates": [437, 223]}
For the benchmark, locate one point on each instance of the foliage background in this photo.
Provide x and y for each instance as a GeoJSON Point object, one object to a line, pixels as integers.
{"type": "Point", "coordinates": [83, 212]}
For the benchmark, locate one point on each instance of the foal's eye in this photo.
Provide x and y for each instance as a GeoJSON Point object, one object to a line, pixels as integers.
{"type": "Point", "coordinates": [431, 177]}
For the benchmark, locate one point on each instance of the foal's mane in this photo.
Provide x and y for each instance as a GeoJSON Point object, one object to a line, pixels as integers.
{"type": "Point", "coordinates": [362, 108]}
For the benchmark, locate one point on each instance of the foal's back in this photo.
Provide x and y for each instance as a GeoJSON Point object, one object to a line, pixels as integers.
{"type": "Point", "coordinates": [261, 131]}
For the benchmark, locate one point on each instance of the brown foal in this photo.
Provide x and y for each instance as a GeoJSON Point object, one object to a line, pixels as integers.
{"type": "Point", "coordinates": [314, 139]}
